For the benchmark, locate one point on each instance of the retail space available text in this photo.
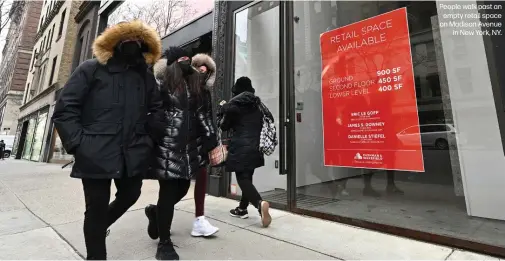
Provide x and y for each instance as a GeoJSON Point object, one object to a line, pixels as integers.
{"type": "Point", "coordinates": [367, 36]}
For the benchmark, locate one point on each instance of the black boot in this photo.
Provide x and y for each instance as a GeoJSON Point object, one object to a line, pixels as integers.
{"type": "Point", "coordinates": [166, 251]}
{"type": "Point", "coordinates": [152, 227]}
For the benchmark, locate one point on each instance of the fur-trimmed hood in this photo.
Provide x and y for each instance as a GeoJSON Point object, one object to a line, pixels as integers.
{"type": "Point", "coordinates": [104, 45]}
{"type": "Point", "coordinates": [203, 59]}
{"type": "Point", "coordinates": [159, 69]}
{"type": "Point", "coordinates": [197, 61]}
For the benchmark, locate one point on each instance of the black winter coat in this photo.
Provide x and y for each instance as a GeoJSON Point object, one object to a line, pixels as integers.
{"type": "Point", "coordinates": [102, 119]}
{"type": "Point", "coordinates": [104, 111]}
{"type": "Point", "coordinates": [185, 136]}
{"type": "Point", "coordinates": [243, 116]}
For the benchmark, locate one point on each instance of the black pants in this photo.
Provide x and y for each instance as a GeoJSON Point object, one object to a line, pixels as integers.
{"type": "Point", "coordinates": [249, 192]}
{"type": "Point", "coordinates": [171, 192]}
{"type": "Point", "coordinates": [100, 214]}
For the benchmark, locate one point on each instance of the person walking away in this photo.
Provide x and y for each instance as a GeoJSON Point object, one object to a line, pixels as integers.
{"type": "Point", "coordinates": [185, 137]}
{"type": "Point", "coordinates": [2, 149]}
{"type": "Point", "coordinates": [242, 114]}
{"type": "Point", "coordinates": [103, 117]}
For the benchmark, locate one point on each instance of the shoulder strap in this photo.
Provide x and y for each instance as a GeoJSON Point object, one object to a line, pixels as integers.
{"type": "Point", "coordinates": [264, 109]}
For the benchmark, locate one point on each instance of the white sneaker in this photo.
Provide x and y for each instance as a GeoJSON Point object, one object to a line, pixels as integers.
{"type": "Point", "coordinates": [202, 227]}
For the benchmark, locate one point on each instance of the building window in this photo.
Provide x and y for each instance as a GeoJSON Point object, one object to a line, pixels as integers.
{"type": "Point", "coordinates": [27, 92]}
{"type": "Point", "coordinates": [42, 77]}
{"type": "Point", "coordinates": [34, 57]}
{"type": "Point", "coordinates": [52, 70]}
{"type": "Point", "coordinates": [62, 22]}
{"type": "Point", "coordinates": [48, 43]}
{"type": "Point", "coordinates": [41, 22]}
{"type": "Point", "coordinates": [52, 33]}
{"type": "Point", "coordinates": [81, 45]}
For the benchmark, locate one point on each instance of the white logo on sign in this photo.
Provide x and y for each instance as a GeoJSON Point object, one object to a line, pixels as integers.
{"type": "Point", "coordinates": [358, 156]}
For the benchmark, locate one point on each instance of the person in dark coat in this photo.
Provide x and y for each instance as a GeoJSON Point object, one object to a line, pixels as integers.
{"type": "Point", "coordinates": [184, 138]}
{"type": "Point", "coordinates": [103, 117]}
{"type": "Point", "coordinates": [243, 116]}
{"type": "Point", "coordinates": [2, 149]}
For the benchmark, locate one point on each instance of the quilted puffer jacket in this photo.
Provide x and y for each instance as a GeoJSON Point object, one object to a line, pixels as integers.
{"type": "Point", "coordinates": [185, 135]}
{"type": "Point", "coordinates": [242, 115]}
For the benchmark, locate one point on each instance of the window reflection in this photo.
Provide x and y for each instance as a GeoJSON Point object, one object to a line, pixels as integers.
{"type": "Point", "coordinates": [432, 201]}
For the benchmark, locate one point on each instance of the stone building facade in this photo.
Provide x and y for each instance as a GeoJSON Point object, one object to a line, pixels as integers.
{"type": "Point", "coordinates": [86, 21]}
{"type": "Point", "coordinates": [16, 56]}
{"type": "Point", "coordinates": [50, 67]}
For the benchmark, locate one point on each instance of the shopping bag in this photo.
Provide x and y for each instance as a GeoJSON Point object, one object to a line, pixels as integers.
{"type": "Point", "coordinates": [218, 155]}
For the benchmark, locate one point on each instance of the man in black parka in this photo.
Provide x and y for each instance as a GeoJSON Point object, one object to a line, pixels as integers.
{"type": "Point", "coordinates": [103, 116]}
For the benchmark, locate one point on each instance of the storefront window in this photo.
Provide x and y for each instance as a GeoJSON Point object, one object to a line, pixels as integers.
{"type": "Point", "coordinates": [16, 140]}
{"type": "Point", "coordinates": [27, 151]}
{"type": "Point", "coordinates": [38, 137]}
{"type": "Point", "coordinates": [59, 152]}
{"type": "Point", "coordinates": [457, 128]}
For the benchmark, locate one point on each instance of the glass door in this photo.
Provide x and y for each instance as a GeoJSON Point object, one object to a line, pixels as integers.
{"type": "Point", "coordinates": [257, 56]}
{"type": "Point", "coordinates": [38, 136]}
{"type": "Point", "coordinates": [27, 151]}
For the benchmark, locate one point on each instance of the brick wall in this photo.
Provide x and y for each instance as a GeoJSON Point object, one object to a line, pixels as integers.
{"type": "Point", "coordinates": [21, 71]}
{"type": "Point", "coordinates": [19, 62]}
{"type": "Point", "coordinates": [69, 45]}
{"type": "Point", "coordinates": [30, 27]}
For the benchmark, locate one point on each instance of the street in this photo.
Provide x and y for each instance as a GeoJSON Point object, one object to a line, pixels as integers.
{"type": "Point", "coordinates": [41, 214]}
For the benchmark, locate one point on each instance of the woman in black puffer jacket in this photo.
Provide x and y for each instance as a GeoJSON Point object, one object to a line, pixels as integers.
{"type": "Point", "coordinates": [184, 137]}
{"type": "Point", "coordinates": [243, 116]}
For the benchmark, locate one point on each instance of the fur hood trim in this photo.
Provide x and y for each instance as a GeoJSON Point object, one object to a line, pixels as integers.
{"type": "Point", "coordinates": [203, 59]}
{"type": "Point", "coordinates": [198, 60]}
{"type": "Point", "coordinates": [103, 46]}
{"type": "Point", "coordinates": [159, 69]}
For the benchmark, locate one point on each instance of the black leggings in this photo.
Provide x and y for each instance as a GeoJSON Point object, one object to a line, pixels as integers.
{"type": "Point", "coordinates": [171, 192]}
{"type": "Point", "coordinates": [100, 214]}
{"type": "Point", "coordinates": [249, 191]}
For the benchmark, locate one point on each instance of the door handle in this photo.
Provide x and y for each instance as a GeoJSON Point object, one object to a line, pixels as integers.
{"type": "Point", "coordinates": [286, 122]}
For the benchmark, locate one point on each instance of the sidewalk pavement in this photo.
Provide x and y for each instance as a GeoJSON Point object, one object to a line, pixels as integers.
{"type": "Point", "coordinates": [41, 215]}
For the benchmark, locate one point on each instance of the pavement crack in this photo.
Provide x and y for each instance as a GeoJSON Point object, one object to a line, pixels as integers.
{"type": "Point", "coordinates": [452, 252]}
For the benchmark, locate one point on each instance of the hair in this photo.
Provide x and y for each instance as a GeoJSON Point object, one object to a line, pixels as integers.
{"type": "Point", "coordinates": [174, 81]}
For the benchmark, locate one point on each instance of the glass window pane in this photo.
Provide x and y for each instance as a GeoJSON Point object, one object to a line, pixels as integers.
{"type": "Point", "coordinates": [435, 200]}
{"type": "Point", "coordinates": [27, 151]}
{"type": "Point", "coordinates": [38, 137]}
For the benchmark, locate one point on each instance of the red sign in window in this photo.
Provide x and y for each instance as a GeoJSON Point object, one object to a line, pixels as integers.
{"type": "Point", "coordinates": [369, 102]}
